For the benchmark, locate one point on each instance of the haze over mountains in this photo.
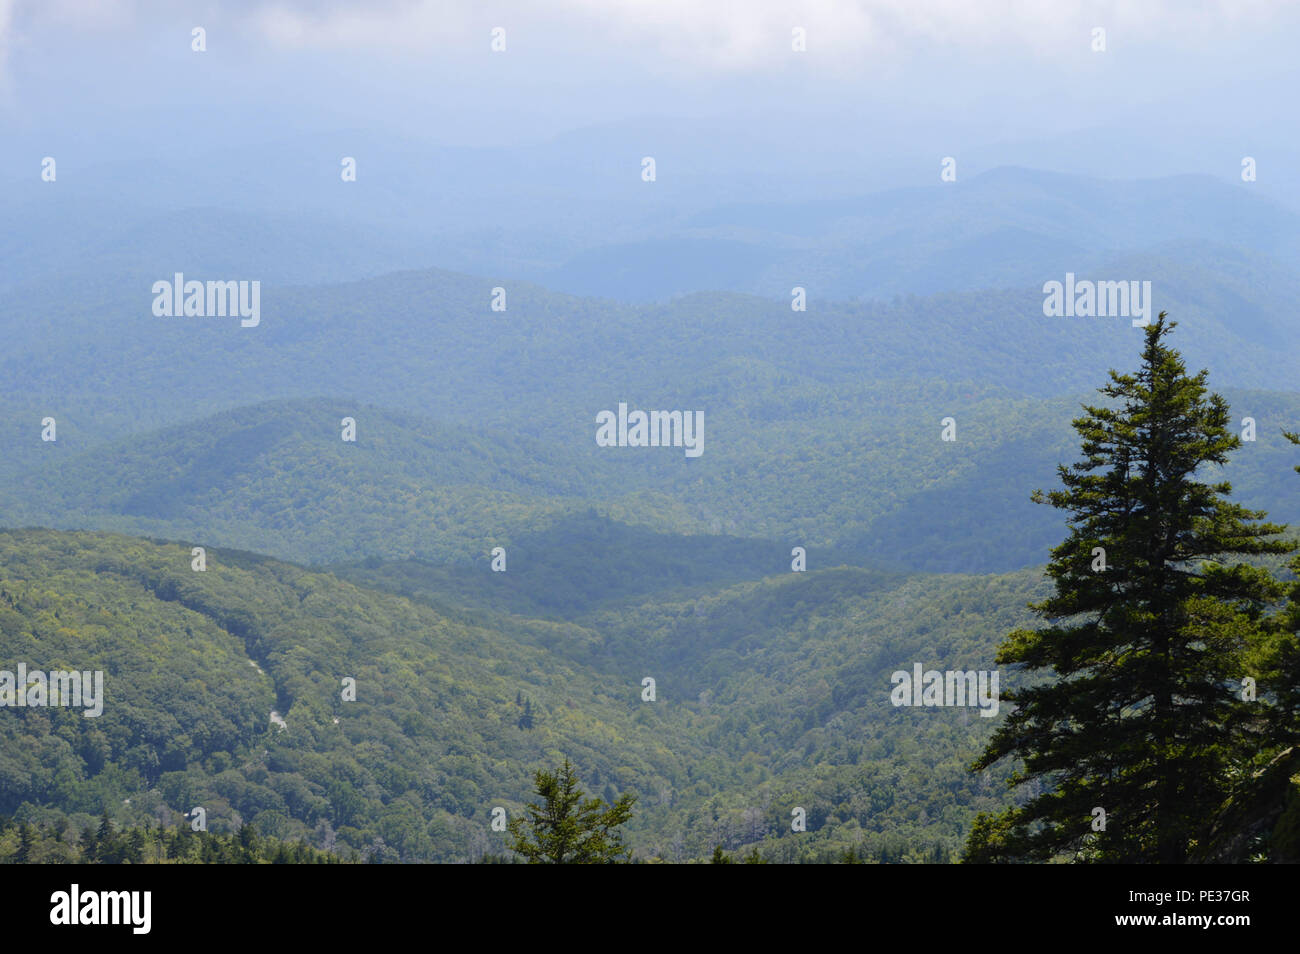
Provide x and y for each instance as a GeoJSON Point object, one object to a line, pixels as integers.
{"type": "Point", "coordinates": [476, 426]}
{"type": "Point", "coordinates": [476, 429]}
{"type": "Point", "coordinates": [821, 426]}
{"type": "Point", "coordinates": [638, 241]}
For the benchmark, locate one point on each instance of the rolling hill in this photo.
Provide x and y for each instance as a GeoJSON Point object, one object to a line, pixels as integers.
{"type": "Point", "coordinates": [771, 693]}
{"type": "Point", "coordinates": [862, 472]}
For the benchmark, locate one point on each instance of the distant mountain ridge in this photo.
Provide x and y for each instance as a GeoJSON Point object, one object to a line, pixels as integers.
{"type": "Point", "coordinates": [861, 474]}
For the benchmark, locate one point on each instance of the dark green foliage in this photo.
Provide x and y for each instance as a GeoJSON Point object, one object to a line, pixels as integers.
{"type": "Point", "coordinates": [1261, 821]}
{"type": "Point", "coordinates": [196, 661]}
{"type": "Point", "coordinates": [1282, 662]}
{"type": "Point", "coordinates": [102, 843]}
{"type": "Point", "coordinates": [569, 828]}
{"type": "Point", "coordinates": [1144, 718]}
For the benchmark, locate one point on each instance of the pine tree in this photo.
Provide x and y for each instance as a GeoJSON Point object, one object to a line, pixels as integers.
{"type": "Point", "coordinates": [1262, 819]}
{"type": "Point", "coordinates": [526, 720]}
{"type": "Point", "coordinates": [89, 846]}
{"type": "Point", "coordinates": [719, 858]}
{"type": "Point", "coordinates": [248, 846]}
{"type": "Point", "coordinates": [25, 840]}
{"type": "Point", "coordinates": [1284, 661]}
{"type": "Point", "coordinates": [134, 848]}
{"type": "Point", "coordinates": [569, 828]}
{"type": "Point", "coordinates": [106, 841]}
{"type": "Point", "coordinates": [1147, 634]}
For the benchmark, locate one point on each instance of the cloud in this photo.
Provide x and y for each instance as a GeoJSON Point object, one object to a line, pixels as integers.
{"type": "Point", "coordinates": [866, 44]}
{"type": "Point", "coordinates": [709, 35]}
{"type": "Point", "coordinates": [742, 35]}
{"type": "Point", "coordinates": [6, 27]}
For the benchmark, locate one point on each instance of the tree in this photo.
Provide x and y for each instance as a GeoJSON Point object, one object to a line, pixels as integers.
{"type": "Point", "coordinates": [719, 857]}
{"type": "Point", "coordinates": [1136, 741]}
{"type": "Point", "coordinates": [1261, 821]}
{"type": "Point", "coordinates": [89, 845]}
{"type": "Point", "coordinates": [107, 847]}
{"type": "Point", "coordinates": [248, 844]}
{"type": "Point", "coordinates": [25, 840]}
{"type": "Point", "coordinates": [1284, 660]}
{"type": "Point", "coordinates": [526, 720]}
{"type": "Point", "coordinates": [134, 847]}
{"type": "Point", "coordinates": [568, 828]}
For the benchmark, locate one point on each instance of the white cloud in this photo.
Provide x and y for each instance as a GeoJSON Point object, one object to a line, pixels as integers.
{"type": "Point", "coordinates": [725, 37]}
{"type": "Point", "coordinates": [738, 35]}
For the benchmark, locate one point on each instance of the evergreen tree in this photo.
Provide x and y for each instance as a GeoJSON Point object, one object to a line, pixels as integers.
{"type": "Point", "coordinates": [1147, 634]}
{"type": "Point", "coordinates": [107, 848]}
{"type": "Point", "coordinates": [89, 846]}
{"type": "Point", "coordinates": [25, 839]}
{"type": "Point", "coordinates": [1261, 822]}
{"type": "Point", "coordinates": [719, 858]}
{"type": "Point", "coordinates": [134, 847]}
{"type": "Point", "coordinates": [1284, 661]}
{"type": "Point", "coordinates": [526, 720]}
{"type": "Point", "coordinates": [568, 828]}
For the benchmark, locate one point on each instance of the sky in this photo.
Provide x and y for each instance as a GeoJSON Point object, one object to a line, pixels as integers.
{"type": "Point", "coordinates": [1182, 85]}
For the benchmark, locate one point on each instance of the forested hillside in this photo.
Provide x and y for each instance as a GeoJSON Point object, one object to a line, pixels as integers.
{"type": "Point", "coordinates": [862, 502]}
{"type": "Point", "coordinates": [771, 694]}
{"type": "Point", "coordinates": [860, 471]}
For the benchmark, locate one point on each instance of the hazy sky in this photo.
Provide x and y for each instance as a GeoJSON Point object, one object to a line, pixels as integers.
{"type": "Point", "coordinates": [1187, 77]}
